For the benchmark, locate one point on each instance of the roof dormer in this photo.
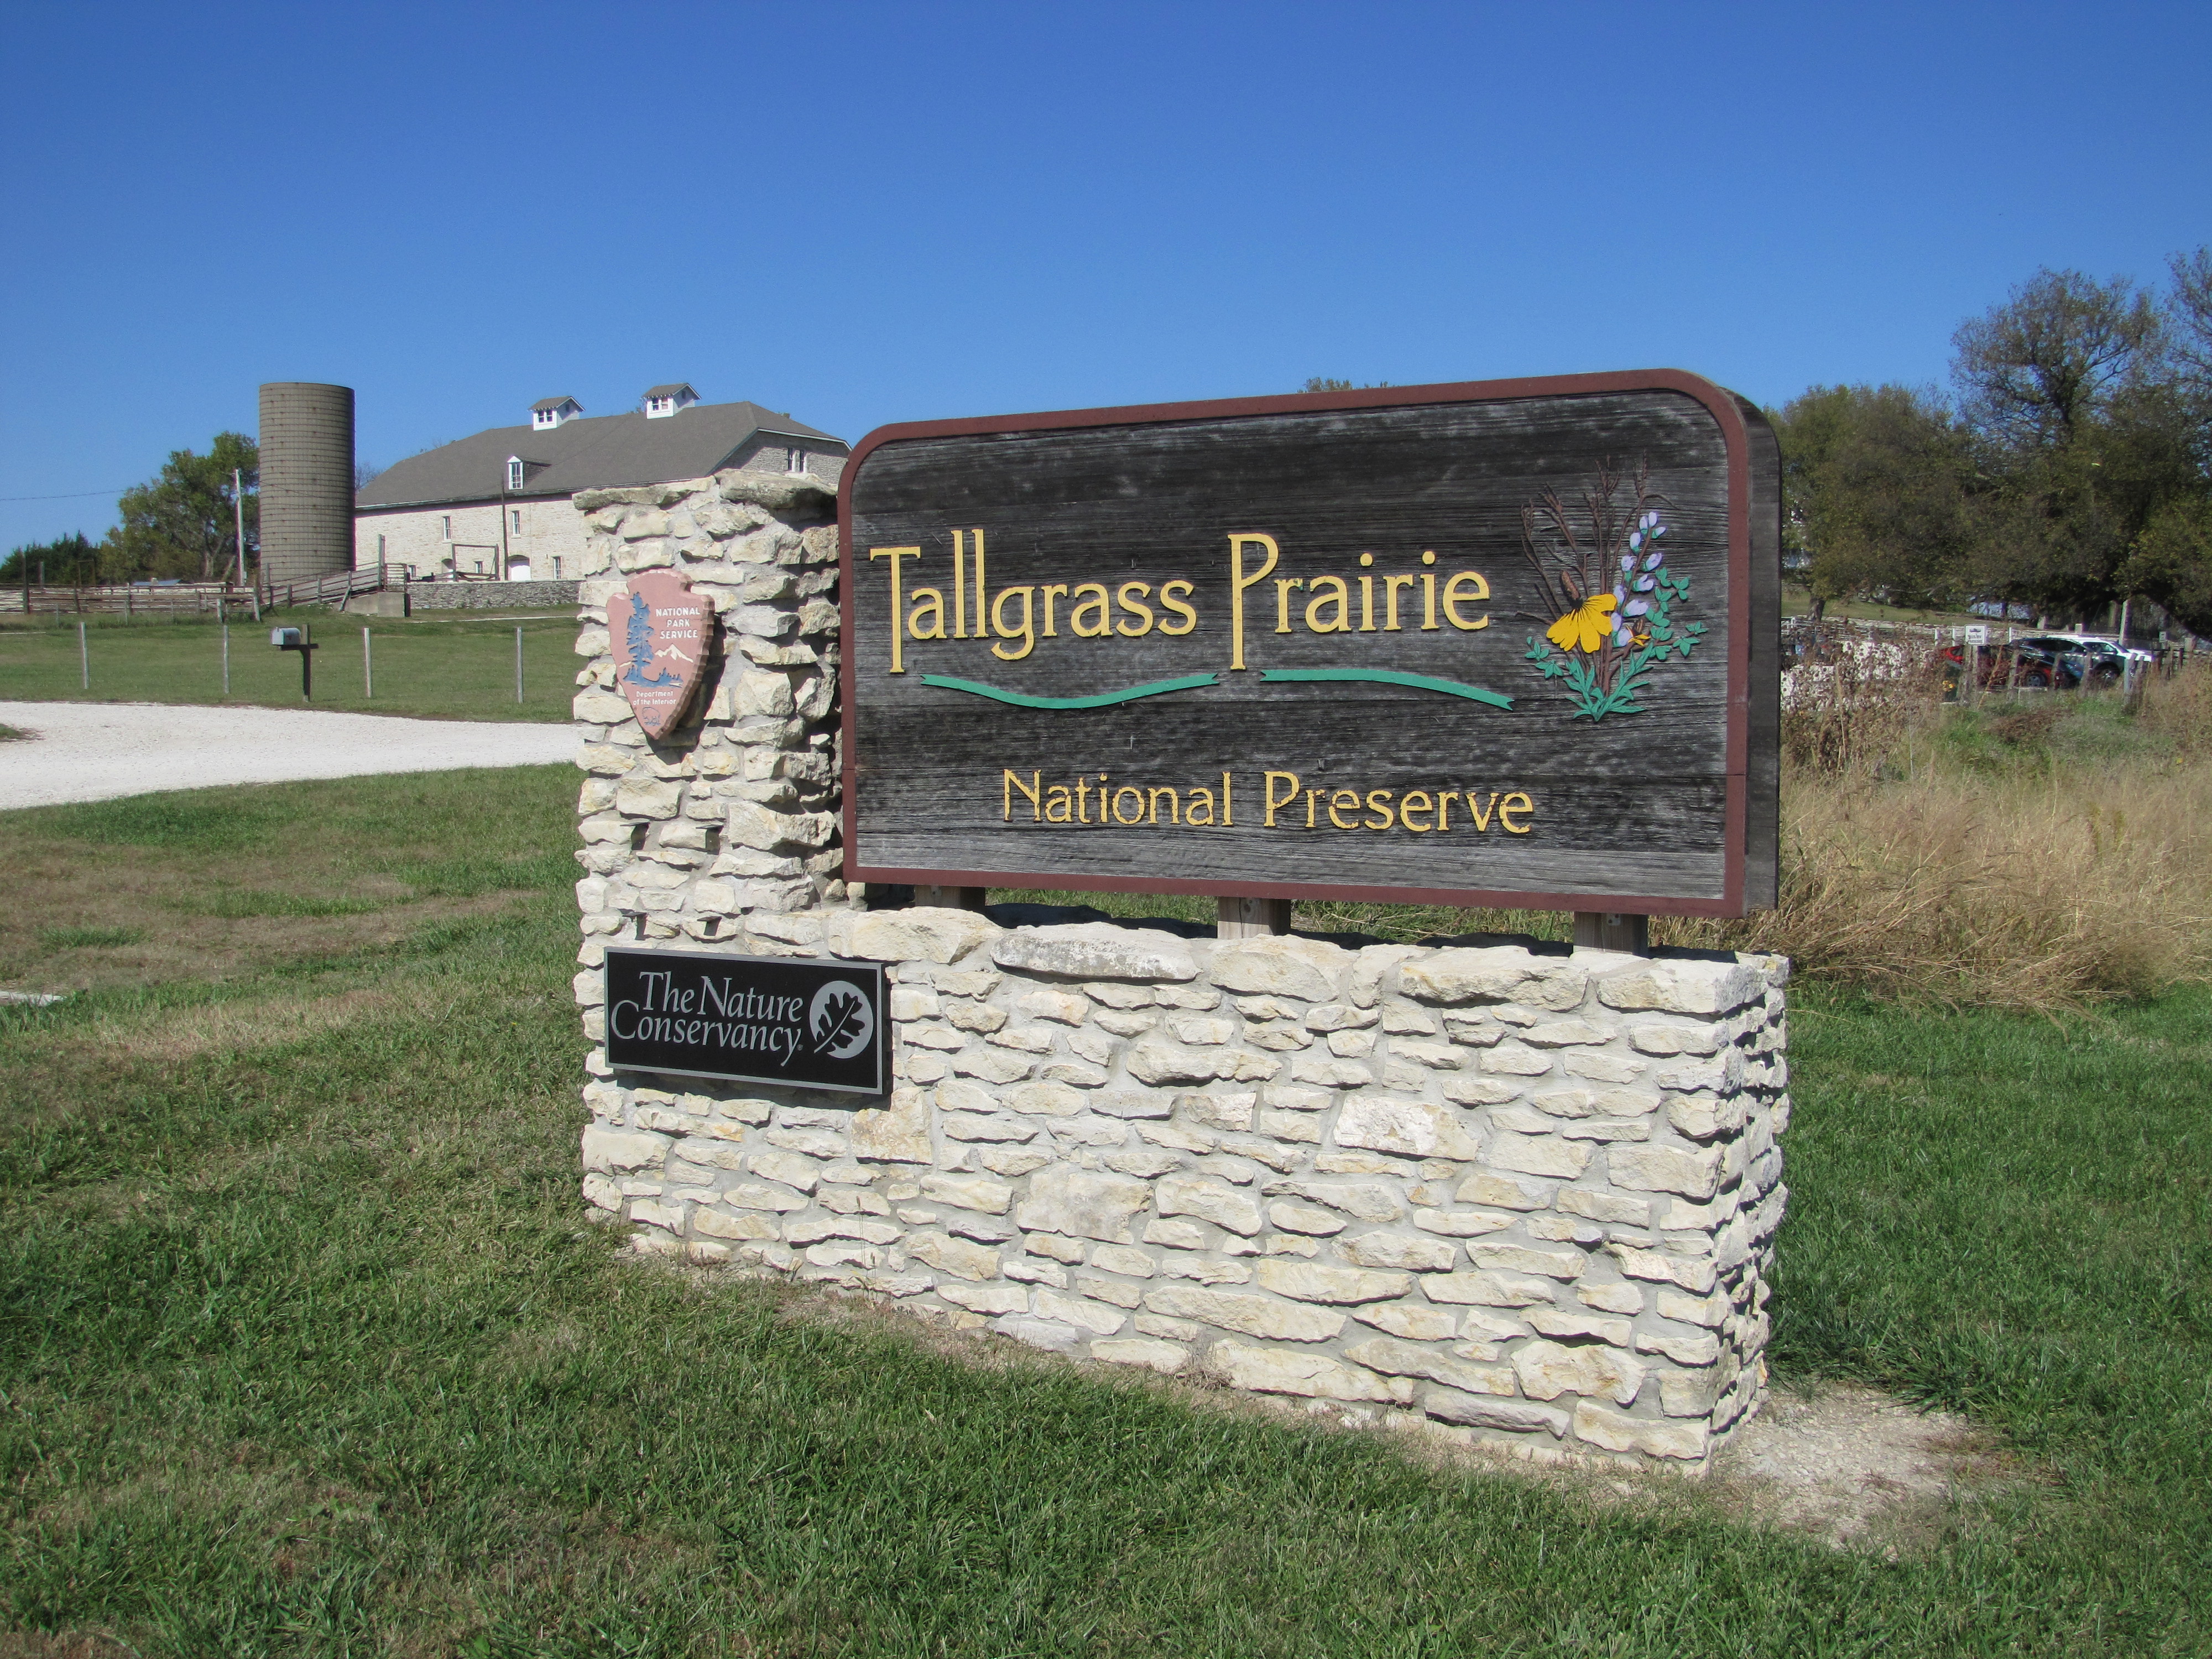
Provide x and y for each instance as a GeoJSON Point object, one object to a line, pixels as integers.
{"type": "Point", "coordinates": [549, 412]}
{"type": "Point", "coordinates": [661, 401]}
{"type": "Point", "coordinates": [520, 473]}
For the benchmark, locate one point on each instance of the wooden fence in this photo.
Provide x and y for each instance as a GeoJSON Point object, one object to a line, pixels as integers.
{"type": "Point", "coordinates": [185, 599]}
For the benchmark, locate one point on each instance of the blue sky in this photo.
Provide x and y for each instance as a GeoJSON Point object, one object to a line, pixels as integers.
{"type": "Point", "coordinates": [863, 213]}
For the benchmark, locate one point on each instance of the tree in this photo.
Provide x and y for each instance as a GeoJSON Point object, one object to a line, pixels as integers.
{"type": "Point", "coordinates": [1322, 383]}
{"type": "Point", "coordinates": [183, 523]}
{"type": "Point", "coordinates": [2079, 436]}
{"type": "Point", "coordinates": [64, 561]}
{"type": "Point", "coordinates": [1875, 485]}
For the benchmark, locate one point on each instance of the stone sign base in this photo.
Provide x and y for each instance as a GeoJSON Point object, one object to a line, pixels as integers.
{"type": "Point", "coordinates": [1528, 1196]}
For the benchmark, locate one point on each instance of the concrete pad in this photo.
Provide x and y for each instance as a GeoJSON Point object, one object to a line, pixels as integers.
{"type": "Point", "coordinates": [81, 751]}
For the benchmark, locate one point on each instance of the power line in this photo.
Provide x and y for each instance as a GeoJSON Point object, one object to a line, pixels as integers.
{"type": "Point", "coordinates": [74, 496]}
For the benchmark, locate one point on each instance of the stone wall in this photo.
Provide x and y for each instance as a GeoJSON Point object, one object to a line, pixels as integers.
{"type": "Point", "coordinates": [1496, 1193]}
{"type": "Point", "coordinates": [489, 596]}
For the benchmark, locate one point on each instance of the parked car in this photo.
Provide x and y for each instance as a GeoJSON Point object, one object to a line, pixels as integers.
{"type": "Point", "coordinates": [2100, 662]}
{"type": "Point", "coordinates": [2034, 664]}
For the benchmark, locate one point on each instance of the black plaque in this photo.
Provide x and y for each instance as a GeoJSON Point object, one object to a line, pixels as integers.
{"type": "Point", "coordinates": [1498, 643]}
{"type": "Point", "coordinates": [749, 1019]}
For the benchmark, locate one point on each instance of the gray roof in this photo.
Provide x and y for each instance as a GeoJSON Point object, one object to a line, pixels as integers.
{"type": "Point", "coordinates": [597, 453]}
{"type": "Point", "coordinates": [671, 390]}
{"type": "Point", "coordinates": [543, 404]}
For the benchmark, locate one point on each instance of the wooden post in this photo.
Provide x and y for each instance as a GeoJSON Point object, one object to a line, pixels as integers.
{"type": "Point", "coordinates": [1251, 918]}
{"type": "Point", "coordinates": [951, 898]}
{"type": "Point", "coordinates": [1605, 930]}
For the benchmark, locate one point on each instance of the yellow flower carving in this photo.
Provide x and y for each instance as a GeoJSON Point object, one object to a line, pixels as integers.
{"type": "Point", "coordinates": [1586, 627]}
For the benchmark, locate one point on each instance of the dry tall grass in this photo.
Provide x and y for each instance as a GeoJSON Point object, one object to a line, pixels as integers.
{"type": "Point", "coordinates": [2049, 877]}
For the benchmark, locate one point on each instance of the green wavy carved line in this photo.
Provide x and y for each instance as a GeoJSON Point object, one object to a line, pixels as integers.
{"type": "Point", "coordinates": [1392, 677]}
{"type": "Point", "coordinates": [1102, 699]}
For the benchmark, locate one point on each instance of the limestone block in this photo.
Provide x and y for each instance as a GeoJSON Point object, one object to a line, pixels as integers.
{"type": "Point", "coordinates": [1411, 1320]}
{"type": "Point", "coordinates": [1396, 1359]}
{"type": "Point", "coordinates": [1052, 1334]}
{"type": "Point", "coordinates": [996, 1127]}
{"type": "Point", "coordinates": [1094, 1317]}
{"type": "Point", "coordinates": [1599, 1205]}
{"type": "Point", "coordinates": [1242, 1311]}
{"type": "Point", "coordinates": [1415, 1127]}
{"type": "Point", "coordinates": [1484, 1290]}
{"type": "Point", "coordinates": [1667, 1040]}
{"type": "Point", "coordinates": [1083, 1203]}
{"type": "Point", "coordinates": [1516, 1258]}
{"type": "Point", "coordinates": [1700, 1348]}
{"type": "Point", "coordinates": [816, 1229]}
{"type": "Point", "coordinates": [815, 1143]}
{"type": "Point", "coordinates": [1063, 1006]}
{"type": "Point", "coordinates": [995, 1298]}
{"type": "Point", "coordinates": [967, 1193]}
{"type": "Point", "coordinates": [1602, 1068]}
{"type": "Point", "coordinates": [1679, 986]}
{"type": "Point", "coordinates": [1538, 1155]}
{"type": "Point", "coordinates": [954, 1255]}
{"type": "Point", "coordinates": [596, 707]}
{"type": "Point", "coordinates": [1612, 1298]}
{"type": "Point", "coordinates": [1310, 1376]}
{"type": "Point", "coordinates": [1165, 1357]}
{"type": "Point", "coordinates": [715, 1224]}
{"type": "Point", "coordinates": [897, 1133]}
{"type": "Point", "coordinates": [1437, 1056]}
{"type": "Point", "coordinates": [1612, 1431]}
{"type": "Point", "coordinates": [1208, 1200]}
{"type": "Point", "coordinates": [1461, 1224]}
{"type": "Point", "coordinates": [1206, 1270]}
{"type": "Point", "coordinates": [1483, 1186]}
{"type": "Point", "coordinates": [992, 1065]}
{"type": "Point", "coordinates": [922, 933]}
{"type": "Point", "coordinates": [1154, 1060]}
{"type": "Point", "coordinates": [1374, 972]}
{"type": "Point", "coordinates": [1665, 1170]}
{"type": "Point", "coordinates": [611, 1150]}
{"type": "Point", "coordinates": [1478, 1412]}
{"type": "Point", "coordinates": [1045, 1098]}
{"type": "Point", "coordinates": [1311, 1281]}
{"type": "Point", "coordinates": [1096, 951]}
{"type": "Point", "coordinates": [1307, 969]}
{"type": "Point", "coordinates": [1352, 1045]}
{"type": "Point", "coordinates": [1701, 1117]}
{"type": "Point", "coordinates": [1515, 1060]}
{"type": "Point", "coordinates": [648, 798]}
{"type": "Point", "coordinates": [1201, 1031]}
{"type": "Point", "coordinates": [1564, 1321]}
{"type": "Point", "coordinates": [1365, 1200]}
{"type": "Point", "coordinates": [1548, 1370]}
{"type": "Point", "coordinates": [1330, 1071]}
{"type": "Point", "coordinates": [603, 1191]}
{"type": "Point", "coordinates": [789, 1168]}
{"type": "Point", "coordinates": [759, 1196]}
{"type": "Point", "coordinates": [1494, 973]}
{"type": "Point", "coordinates": [1696, 1273]}
{"type": "Point", "coordinates": [1304, 1219]}
{"type": "Point", "coordinates": [1402, 1250]}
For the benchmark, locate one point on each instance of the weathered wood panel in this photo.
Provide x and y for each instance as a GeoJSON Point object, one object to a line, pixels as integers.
{"type": "Point", "coordinates": [1649, 805]}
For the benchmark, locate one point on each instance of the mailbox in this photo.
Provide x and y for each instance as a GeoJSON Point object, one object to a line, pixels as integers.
{"type": "Point", "coordinates": [295, 639]}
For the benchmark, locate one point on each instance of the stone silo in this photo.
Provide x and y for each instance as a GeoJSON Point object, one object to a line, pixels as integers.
{"type": "Point", "coordinates": [307, 480]}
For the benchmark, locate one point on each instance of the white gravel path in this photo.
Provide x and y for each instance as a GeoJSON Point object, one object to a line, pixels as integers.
{"type": "Point", "coordinates": [97, 752]}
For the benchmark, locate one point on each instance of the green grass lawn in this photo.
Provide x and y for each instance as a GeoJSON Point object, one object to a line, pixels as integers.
{"type": "Point", "coordinates": [306, 1348]}
{"type": "Point", "coordinates": [445, 665]}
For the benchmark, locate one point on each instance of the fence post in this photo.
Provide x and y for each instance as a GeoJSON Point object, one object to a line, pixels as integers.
{"type": "Point", "coordinates": [83, 658]}
{"type": "Point", "coordinates": [518, 665]}
{"type": "Point", "coordinates": [226, 658]}
{"type": "Point", "coordinates": [367, 668]}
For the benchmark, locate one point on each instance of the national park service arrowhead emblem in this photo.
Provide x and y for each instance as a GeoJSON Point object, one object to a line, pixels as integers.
{"type": "Point", "coordinates": [660, 628]}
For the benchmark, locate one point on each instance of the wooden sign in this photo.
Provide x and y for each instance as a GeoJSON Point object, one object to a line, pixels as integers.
{"type": "Point", "coordinates": [747, 1019]}
{"type": "Point", "coordinates": [661, 630]}
{"type": "Point", "coordinates": [1500, 643]}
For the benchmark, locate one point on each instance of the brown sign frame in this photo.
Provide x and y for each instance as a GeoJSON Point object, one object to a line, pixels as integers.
{"type": "Point", "coordinates": [1752, 778]}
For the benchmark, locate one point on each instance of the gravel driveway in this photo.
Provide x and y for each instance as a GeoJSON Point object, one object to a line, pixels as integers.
{"type": "Point", "coordinates": [96, 751]}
